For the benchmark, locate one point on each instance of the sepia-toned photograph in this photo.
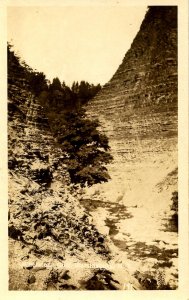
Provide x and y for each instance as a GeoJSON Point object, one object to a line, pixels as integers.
{"type": "Point", "coordinates": [92, 147]}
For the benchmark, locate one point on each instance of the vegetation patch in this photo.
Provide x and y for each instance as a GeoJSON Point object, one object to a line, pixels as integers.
{"type": "Point", "coordinates": [172, 222]}
{"type": "Point", "coordinates": [152, 280]}
{"type": "Point", "coordinates": [102, 280]}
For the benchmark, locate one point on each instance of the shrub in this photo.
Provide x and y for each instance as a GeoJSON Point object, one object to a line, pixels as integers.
{"type": "Point", "coordinates": [42, 176]}
{"type": "Point", "coordinates": [174, 207]}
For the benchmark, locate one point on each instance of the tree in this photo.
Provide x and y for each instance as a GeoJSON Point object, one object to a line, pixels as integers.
{"type": "Point", "coordinates": [37, 82]}
{"type": "Point", "coordinates": [56, 84]}
{"type": "Point", "coordinates": [87, 149]}
{"type": "Point", "coordinates": [63, 98]}
{"type": "Point", "coordinates": [14, 66]}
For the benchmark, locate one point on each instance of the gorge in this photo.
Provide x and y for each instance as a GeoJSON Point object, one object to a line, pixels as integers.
{"type": "Point", "coordinates": [114, 235]}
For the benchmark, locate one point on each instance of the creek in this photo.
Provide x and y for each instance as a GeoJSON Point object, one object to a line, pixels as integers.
{"type": "Point", "coordinates": [146, 242]}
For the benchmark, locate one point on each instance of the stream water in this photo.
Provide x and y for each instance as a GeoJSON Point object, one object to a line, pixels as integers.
{"type": "Point", "coordinates": [146, 241]}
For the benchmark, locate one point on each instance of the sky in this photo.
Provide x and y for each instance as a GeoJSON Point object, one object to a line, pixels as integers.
{"type": "Point", "coordinates": [74, 43]}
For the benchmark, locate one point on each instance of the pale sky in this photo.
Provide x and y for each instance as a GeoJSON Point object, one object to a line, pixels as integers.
{"type": "Point", "coordinates": [74, 43]}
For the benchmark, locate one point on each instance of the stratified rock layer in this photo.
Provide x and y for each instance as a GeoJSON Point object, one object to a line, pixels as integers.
{"type": "Point", "coordinates": [138, 106]}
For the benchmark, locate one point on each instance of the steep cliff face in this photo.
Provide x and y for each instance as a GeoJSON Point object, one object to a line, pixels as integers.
{"type": "Point", "coordinates": [138, 106]}
{"type": "Point", "coordinates": [32, 149]}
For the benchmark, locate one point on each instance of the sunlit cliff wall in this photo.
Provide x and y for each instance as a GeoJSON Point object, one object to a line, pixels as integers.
{"type": "Point", "coordinates": [138, 106]}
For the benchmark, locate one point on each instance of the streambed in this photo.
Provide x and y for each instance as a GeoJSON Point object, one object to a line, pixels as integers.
{"type": "Point", "coordinates": [144, 241]}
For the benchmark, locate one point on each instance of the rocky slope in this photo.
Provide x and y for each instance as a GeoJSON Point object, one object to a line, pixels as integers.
{"type": "Point", "coordinates": [138, 112]}
{"type": "Point", "coordinates": [53, 242]}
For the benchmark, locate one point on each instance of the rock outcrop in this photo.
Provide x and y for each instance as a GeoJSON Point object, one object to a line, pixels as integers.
{"type": "Point", "coordinates": [138, 106]}
{"type": "Point", "coordinates": [32, 149]}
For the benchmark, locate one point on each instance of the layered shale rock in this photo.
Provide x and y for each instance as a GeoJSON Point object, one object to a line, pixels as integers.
{"type": "Point", "coordinates": [138, 106]}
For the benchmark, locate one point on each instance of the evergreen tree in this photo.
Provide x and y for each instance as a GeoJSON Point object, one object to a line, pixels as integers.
{"type": "Point", "coordinates": [37, 82]}
{"type": "Point", "coordinates": [55, 85]}
{"type": "Point", "coordinates": [86, 148]}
